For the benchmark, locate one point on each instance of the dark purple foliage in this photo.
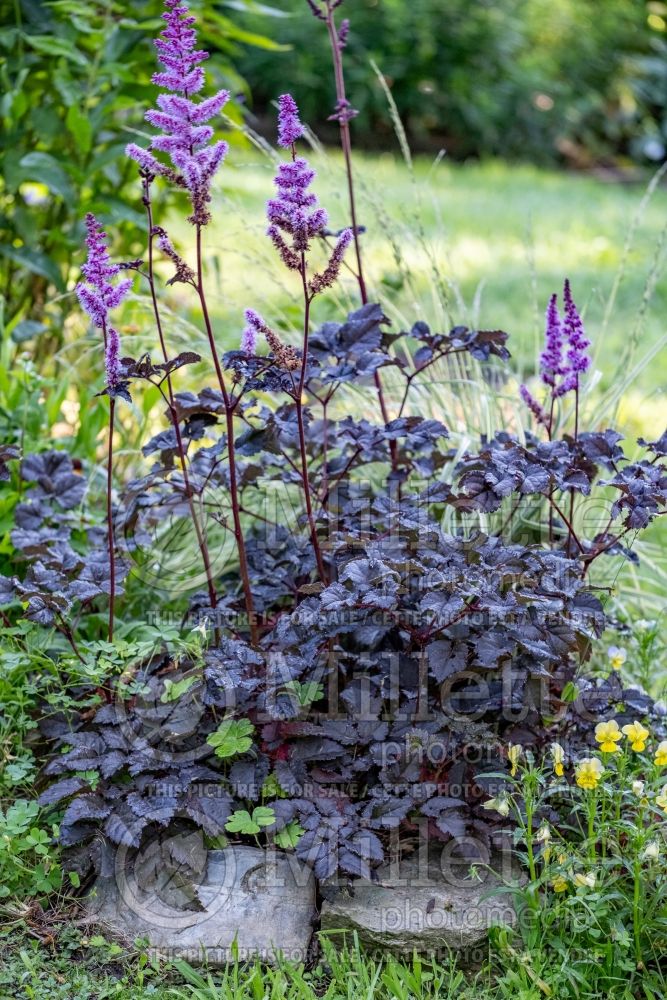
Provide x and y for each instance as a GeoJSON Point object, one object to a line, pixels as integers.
{"type": "Point", "coordinates": [443, 644]}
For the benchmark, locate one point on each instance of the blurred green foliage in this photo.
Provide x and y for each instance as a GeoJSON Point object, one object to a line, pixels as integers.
{"type": "Point", "coordinates": [523, 78]}
{"type": "Point", "coordinates": [75, 81]}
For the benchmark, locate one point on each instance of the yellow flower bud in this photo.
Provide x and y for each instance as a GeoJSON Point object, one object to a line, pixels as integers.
{"type": "Point", "coordinates": [514, 752]}
{"type": "Point", "coordinates": [558, 758]}
{"type": "Point", "coordinates": [587, 881]}
{"type": "Point", "coordinates": [652, 851]}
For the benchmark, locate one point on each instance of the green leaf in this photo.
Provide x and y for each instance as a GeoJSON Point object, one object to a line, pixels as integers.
{"type": "Point", "coordinates": [36, 262]}
{"type": "Point", "coordinates": [53, 46]}
{"type": "Point", "coordinates": [74, 879]}
{"type": "Point", "coordinates": [229, 29]}
{"type": "Point", "coordinates": [290, 836]}
{"type": "Point", "coordinates": [232, 737]}
{"type": "Point", "coordinates": [263, 815]}
{"type": "Point", "coordinates": [45, 168]}
{"type": "Point", "coordinates": [271, 788]}
{"type": "Point", "coordinates": [79, 125]}
{"type": "Point", "coordinates": [570, 692]}
{"type": "Point", "coordinates": [242, 822]}
{"type": "Point", "coordinates": [252, 38]}
{"type": "Point", "coordinates": [306, 693]}
{"type": "Point", "coordinates": [174, 689]}
{"type": "Point", "coordinates": [252, 7]}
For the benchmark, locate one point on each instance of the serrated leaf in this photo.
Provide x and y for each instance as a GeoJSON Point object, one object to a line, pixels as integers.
{"type": "Point", "coordinates": [242, 822]}
{"type": "Point", "coordinates": [232, 737]}
{"type": "Point", "coordinates": [289, 836]}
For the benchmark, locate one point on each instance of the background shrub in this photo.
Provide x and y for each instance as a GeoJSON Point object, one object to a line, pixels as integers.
{"type": "Point", "coordinates": [527, 78]}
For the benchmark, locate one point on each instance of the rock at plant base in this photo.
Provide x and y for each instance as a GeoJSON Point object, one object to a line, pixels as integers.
{"type": "Point", "coordinates": [424, 904]}
{"type": "Point", "coordinates": [245, 902]}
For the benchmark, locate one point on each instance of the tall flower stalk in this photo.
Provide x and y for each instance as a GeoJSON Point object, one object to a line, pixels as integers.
{"type": "Point", "coordinates": [343, 114]}
{"type": "Point", "coordinates": [184, 274]}
{"type": "Point", "coordinates": [194, 159]}
{"type": "Point", "coordinates": [295, 219]}
{"type": "Point", "coordinates": [563, 361]}
{"type": "Point", "coordinates": [98, 295]}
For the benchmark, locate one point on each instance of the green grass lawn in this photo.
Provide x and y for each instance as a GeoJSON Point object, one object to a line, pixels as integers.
{"type": "Point", "coordinates": [94, 969]}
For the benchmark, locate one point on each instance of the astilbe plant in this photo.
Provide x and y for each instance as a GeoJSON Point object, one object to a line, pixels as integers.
{"type": "Point", "coordinates": [363, 664]}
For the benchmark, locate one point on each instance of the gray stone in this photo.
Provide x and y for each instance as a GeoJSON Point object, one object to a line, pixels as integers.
{"type": "Point", "coordinates": [246, 902]}
{"type": "Point", "coordinates": [428, 904]}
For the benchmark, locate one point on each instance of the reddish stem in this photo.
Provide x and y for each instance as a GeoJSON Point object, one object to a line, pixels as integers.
{"type": "Point", "coordinates": [576, 436]}
{"type": "Point", "coordinates": [110, 532]}
{"type": "Point", "coordinates": [346, 145]}
{"type": "Point", "coordinates": [201, 540]}
{"type": "Point", "coordinates": [567, 522]}
{"type": "Point", "coordinates": [298, 397]}
{"type": "Point", "coordinates": [231, 455]}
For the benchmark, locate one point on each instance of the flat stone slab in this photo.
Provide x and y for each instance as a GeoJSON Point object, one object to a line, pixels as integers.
{"type": "Point", "coordinates": [246, 903]}
{"type": "Point", "coordinates": [426, 905]}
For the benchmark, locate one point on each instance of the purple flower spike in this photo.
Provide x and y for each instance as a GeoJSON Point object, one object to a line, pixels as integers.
{"type": "Point", "coordinates": [284, 355]}
{"type": "Point", "coordinates": [249, 336]}
{"type": "Point", "coordinates": [256, 324]}
{"type": "Point", "coordinates": [185, 137]}
{"type": "Point", "coordinates": [560, 373]}
{"type": "Point", "coordinates": [98, 295]}
{"type": "Point", "coordinates": [578, 360]}
{"type": "Point", "coordinates": [551, 359]}
{"type": "Point", "coordinates": [328, 277]}
{"type": "Point", "coordinates": [532, 404]}
{"type": "Point", "coordinates": [294, 211]}
{"type": "Point", "coordinates": [289, 126]}
{"type": "Point", "coordinates": [112, 365]}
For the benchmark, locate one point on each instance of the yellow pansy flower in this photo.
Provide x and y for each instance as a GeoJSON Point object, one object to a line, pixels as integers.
{"type": "Point", "coordinates": [608, 734]}
{"type": "Point", "coordinates": [514, 752]}
{"type": "Point", "coordinates": [661, 754]}
{"type": "Point", "coordinates": [638, 735]}
{"type": "Point", "coordinates": [559, 884]}
{"type": "Point", "coordinates": [638, 788]}
{"type": "Point", "coordinates": [558, 758]}
{"type": "Point", "coordinates": [585, 880]}
{"type": "Point", "coordinates": [617, 656]}
{"type": "Point", "coordinates": [588, 772]}
{"type": "Point", "coordinates": [661, 800]}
